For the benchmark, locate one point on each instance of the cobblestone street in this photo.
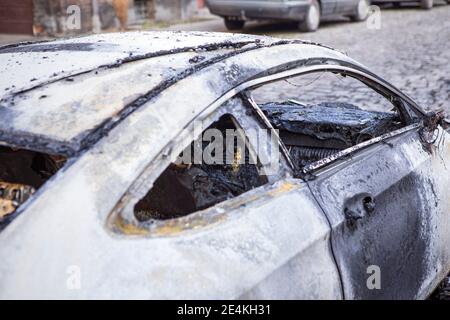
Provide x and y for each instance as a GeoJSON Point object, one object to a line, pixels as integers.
{"type": "Point", "coordinates": [410, 50]}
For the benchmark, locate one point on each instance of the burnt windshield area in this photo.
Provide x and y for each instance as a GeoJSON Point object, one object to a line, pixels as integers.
{"type": "Point", "coordinates": [22, 173]}
{"type": "Point", "coordinates": [314, 132]}
{"type": "Point", "coordinates": [224, 172]}
{"type": "Point", "coordinates": [319, 114]}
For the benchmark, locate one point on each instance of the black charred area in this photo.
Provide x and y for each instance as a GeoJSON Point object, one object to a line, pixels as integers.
{"type": "Point", "coordinates": [186, 188]}
{"type": "Point", "coordinates": [21, 140]}
{"type": "Point", "coordinates": [442, 292]}
{"type": "Point", "coordinates": [315, 132]}
{"type": "Point", "coordinates": [23, 44]}
{"type": "Point", "coordinates": [27, 167]}
{"type": "Point", "coordinates": [22, 173]}
{"type": "Point", "coordinates": [49, 47]}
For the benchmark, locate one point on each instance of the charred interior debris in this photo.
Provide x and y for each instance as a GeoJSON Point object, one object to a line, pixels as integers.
{"type": "Point", "coordinates": [186, 188]}
{"type": "Point", "coordinates": [442, 292]}
{"type": "Point", "coordinates": [314, 132]}
{"type": "Point", "coordinates": [22, 172]}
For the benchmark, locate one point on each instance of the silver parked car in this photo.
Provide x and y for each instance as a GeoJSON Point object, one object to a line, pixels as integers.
{"type": "Point", "coordinates": [307, 12]}
{"type": "Point", "coordinates": [94, 204]}
{"type": "Point", "coordinates": [424, 4]}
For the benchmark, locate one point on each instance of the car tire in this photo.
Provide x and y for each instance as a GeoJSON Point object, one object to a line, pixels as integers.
{"type": "Point", "coordinates": [397, 5]}
{"type": "Point", "coordinates": [426, 4]}
{"type": "Point", "coordinates": [361, 11]}
{"type": "Point", "coordinates": [234, 24]}
{"type": "Point", "coordinates": [312, 18]}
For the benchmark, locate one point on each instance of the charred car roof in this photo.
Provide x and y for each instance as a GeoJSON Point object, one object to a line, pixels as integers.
{"type": "Point", "coordinates": [54, 95]}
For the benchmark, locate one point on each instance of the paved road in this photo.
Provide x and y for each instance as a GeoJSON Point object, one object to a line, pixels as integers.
{"type": "Point", "coordinates": [411, 49]}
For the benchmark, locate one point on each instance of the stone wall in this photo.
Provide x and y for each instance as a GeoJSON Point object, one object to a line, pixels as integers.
{"type": "Point", "coordinates": [52, 17]}
{"type": "Point", "coordinates": [55, 17]}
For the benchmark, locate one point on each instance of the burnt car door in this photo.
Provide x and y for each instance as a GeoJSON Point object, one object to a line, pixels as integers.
{"type": "Point", "coordinates": [389, 216]}
{"type": "Point", "coordinates": [387, 202]}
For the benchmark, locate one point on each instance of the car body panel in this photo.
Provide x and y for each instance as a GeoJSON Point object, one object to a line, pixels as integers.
{"type": "Point", "coordinates": [346, 6]}
{"type": "Point", "coordinates": [407, 233]}
{"type": "Point", "coordinates": [329, 7]}
{"type": "Point", "coordinates": [279, 230]}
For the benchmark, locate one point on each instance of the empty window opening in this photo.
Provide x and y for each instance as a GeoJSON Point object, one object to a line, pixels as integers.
{"type": "Point", "coordinates": [184, 188]}
{"type": "Point", "coordinates": [22, 173]}
{"type": "Point", "coordinates": [319, 114]}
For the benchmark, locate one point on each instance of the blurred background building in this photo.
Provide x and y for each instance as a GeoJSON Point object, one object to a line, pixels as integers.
{"type": "Point", "coordinates": [49, 17]}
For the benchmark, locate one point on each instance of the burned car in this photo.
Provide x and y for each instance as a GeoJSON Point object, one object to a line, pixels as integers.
{"type": "Point", "coordinates": [348, 199]}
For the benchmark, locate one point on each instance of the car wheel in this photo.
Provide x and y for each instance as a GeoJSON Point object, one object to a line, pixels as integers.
{"type": "Point", "coordinates": [234, 24]}
{"type": "Point", "coordinates": [426, 4]}
{"type": "Point", "coordinates": [312, 18]}
{"type": "Point", "coordinates": [361, 11]}
{"type": "Point", "coordinates": [397, 4]}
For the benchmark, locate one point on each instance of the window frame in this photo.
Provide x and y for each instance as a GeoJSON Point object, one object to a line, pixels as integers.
{"type": "Point", "coordinates": [122, 215]}
{"type": "Point", "coordinates": [406, 106]}
{"type": "Point", "coordinates": [407, 109]}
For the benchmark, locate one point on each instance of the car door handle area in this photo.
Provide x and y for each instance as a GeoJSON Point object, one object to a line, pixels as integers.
{"type": "Point", "coordinates": [357, 207]}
